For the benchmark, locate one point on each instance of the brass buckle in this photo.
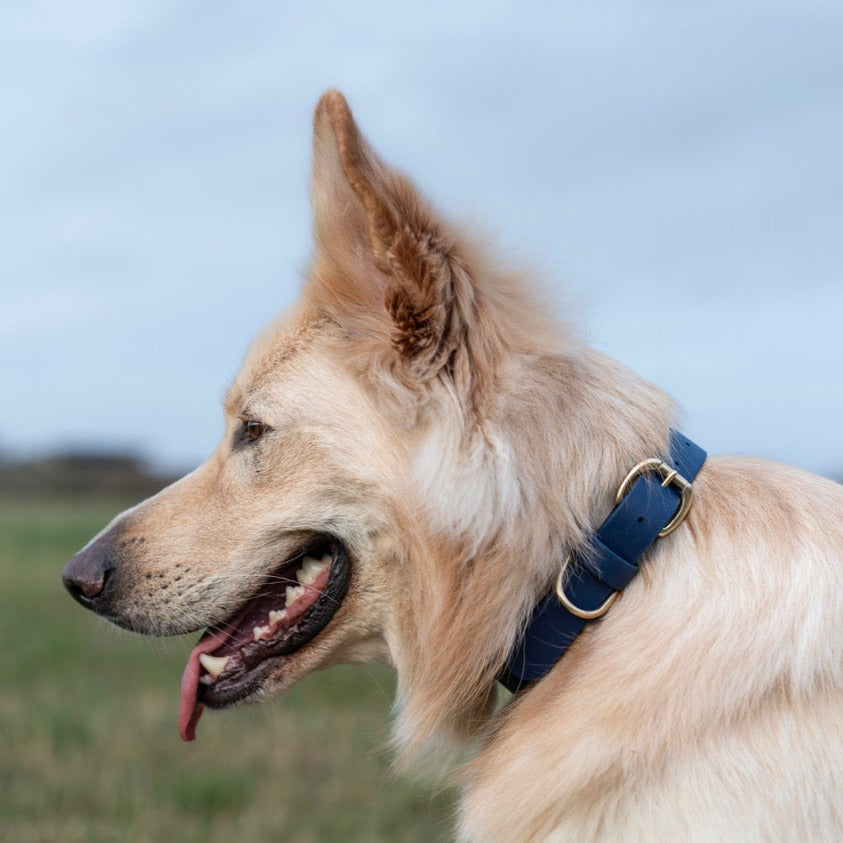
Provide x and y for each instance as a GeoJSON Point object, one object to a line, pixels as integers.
{"type": "Point", "coordinates": [670, 475]}
{"type": "Point", "coordinates": [585, 614]}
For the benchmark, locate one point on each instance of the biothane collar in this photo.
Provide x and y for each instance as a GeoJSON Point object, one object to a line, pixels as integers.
{"type": "Point", "coordinates": [587, 586]}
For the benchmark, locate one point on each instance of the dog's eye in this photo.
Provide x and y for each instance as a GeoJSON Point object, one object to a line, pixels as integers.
{"type": "Point", "coordinates": [250, 431]}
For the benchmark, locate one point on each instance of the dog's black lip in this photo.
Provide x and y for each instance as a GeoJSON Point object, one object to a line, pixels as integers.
{"type": "Point", "coordinates": [225, 693]}
{"type": "Point", "coordinates": [259, 660]}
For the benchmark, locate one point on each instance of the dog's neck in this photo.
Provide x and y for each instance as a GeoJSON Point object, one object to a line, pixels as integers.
{"type": "Point", "coordinates": [651, 502]}
{"type": "Point", "coordinates": [535, 478]}
{"type": "Point", "coordinates": [584, 420]}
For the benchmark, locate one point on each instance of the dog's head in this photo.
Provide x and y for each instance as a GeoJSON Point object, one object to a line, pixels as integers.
{"type": "Point", "coordinates": [361, 501]}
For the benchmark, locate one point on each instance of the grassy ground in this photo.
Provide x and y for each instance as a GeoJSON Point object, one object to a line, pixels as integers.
{"type": "Point", "coordinates": [88, 728]}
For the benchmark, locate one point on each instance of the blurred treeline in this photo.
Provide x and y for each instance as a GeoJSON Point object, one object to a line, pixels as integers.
{"type": "Point", "coordinates": [90, 474]}
{"type": "Point", "coordinates": [79, 473]}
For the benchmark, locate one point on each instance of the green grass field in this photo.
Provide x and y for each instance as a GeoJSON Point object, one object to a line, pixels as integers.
{"type": "Point", "coordinates": [90, 750]}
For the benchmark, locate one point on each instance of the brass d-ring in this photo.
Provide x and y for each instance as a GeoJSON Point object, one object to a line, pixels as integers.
{"type": "Point", "coordinates": [585, 614]}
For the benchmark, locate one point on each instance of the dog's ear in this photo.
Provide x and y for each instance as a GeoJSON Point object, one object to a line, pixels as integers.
{"type": "Point", "coordinates": [381, 253]}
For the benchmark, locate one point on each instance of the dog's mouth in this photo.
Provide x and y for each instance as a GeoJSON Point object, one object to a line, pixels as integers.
{"type": "Point", "coordinates": [293, 605]}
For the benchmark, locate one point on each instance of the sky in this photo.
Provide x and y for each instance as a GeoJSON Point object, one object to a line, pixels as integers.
{"type": "Point", "coordinates": [672, 171]}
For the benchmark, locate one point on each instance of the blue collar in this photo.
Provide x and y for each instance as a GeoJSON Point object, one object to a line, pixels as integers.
{"type": "Point", "coordinates": [646, 510]}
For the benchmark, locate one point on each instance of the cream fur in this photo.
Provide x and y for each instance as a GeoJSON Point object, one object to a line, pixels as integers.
{"type": "Point", "coordinates": [423, 408]}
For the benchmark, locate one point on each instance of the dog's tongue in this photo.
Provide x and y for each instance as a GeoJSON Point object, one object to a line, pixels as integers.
{"type": "Point", "coordinates": [190, 709]}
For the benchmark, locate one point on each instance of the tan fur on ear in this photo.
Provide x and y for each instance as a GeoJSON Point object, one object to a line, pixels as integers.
{"type": "Point", "coordinates": [405, 262]}
{"type": "Point", "coordinates": [334, 123]}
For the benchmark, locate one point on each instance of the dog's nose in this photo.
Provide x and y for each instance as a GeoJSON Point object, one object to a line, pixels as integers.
{"type": "Point", "coordinates": [88, 572]}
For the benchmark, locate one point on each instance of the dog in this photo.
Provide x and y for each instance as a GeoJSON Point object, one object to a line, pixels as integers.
{"type": "Point", "coordinates": [412, 456]}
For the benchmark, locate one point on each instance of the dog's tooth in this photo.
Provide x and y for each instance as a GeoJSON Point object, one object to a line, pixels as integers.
{"type": "Point", "coordinates": [312, 568]}
{"type": "Point", "coordinates": [309, 570]}
{"type": "Point", "coordinates": [276, 617]}
{"type": "Point", "coordinates": [292, 593]}
{"type": "Point", "coordinates": [259, 632]}
{"type": "Point", "coordinates": [206, 679]}
{"type": "Point", "coordinates": [215, 665]}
